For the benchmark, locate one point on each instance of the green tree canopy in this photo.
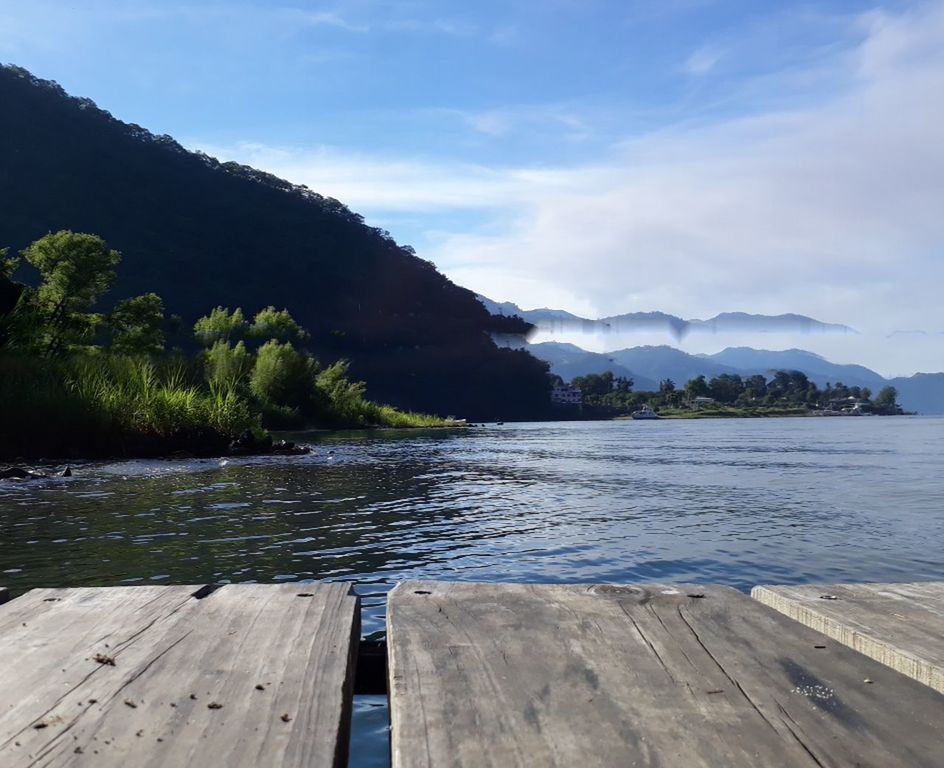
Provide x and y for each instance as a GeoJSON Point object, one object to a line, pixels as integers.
{"type": "Point", "coordinates": [271, 323]}
{"type": "Point", "coordinates": [696, 387]}
{"type": "Point", "coordinates": [599, 384]}
{"type": "Point", "coordinates": [136, 326]}
{"type": "Point", "coordinates": [346, 397]}
{"type": "Point", "coordinates": [227, 366]}
{"type": "Point", "coordinates": [220, 325]}
{"type": "Point", "coordinates": [887, 397]}
{"type": "Point", "coordinates": [283, 376]}
{"type": "Point", "coordinates": [8, 264]}
{"type": "Point", "coordinates": [726, 388]}
{"type": "Point", "coordinates": [76, 269]}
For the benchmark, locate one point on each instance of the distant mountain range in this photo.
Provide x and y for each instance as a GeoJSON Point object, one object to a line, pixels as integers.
{"type": "Point", "coordinates": [923, 392]}
{"type": "Point", "coordinates": [560, 321]}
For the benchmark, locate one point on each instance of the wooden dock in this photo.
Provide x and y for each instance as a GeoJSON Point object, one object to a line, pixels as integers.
{"type": "Point", "coordinates": [900, 625]}
{"type": "Point", "coordinates": [662, 675]}
{"type": "Point", "coordinates": [497, 675]}
{"type": "Point", "coordinates": [247, 675]}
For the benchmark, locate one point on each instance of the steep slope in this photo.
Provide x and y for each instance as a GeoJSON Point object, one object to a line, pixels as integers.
{"type": "Point", "coordinates": [202, 233]}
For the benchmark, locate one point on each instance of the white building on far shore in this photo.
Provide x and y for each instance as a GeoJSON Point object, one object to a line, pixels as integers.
{"type": "Point", "coordinates": [564, 394]}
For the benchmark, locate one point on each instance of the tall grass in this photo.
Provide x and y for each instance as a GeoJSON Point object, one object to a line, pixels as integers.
{"type": "Point", "coordinates": [373, 414]}
{"type": "Point", "coordinates": [107, 405]}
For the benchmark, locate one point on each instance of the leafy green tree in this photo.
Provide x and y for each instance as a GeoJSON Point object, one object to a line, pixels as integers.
{"type": "Point", "coordinates": [666, 385]}
{"type": "Point", "coordinates": [790, 387]}
{"type": "Point", "coordinates": [227, 366]}
{"type": "Point", "coordinates": [345, 397]}
{"type": "Point", "coordinates": [76, 270]}
{"type": "Point", "coordinates": [726, 388]}
{"type": "Point", "coordinates": [598, 384]}
{"type": "Point", "coordinates": [283, 376]}
{"type": "Point", "coordinates": [887, 398]}
{"type": "Point", "coordinates": [271, 323]}
{"type": "Point", "coordinates": [220, 325]}
{"type": "Point", "coordinates": [755, 387]}
{"type": "Point", "coordinates": [8, 264]}
{"type": "Point", "coordinates": [10, 295]}
{"type": "Point", "coordinates": [136, 326]}
{"type": "Point", "coordinates": [623, 384]}
{"type": "Point", "coordinates": [696, 387]}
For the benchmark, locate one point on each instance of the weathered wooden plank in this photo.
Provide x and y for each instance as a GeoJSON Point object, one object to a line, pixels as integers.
{"type": "Point", "coordinates": [661, 675]}
{"type": "Point", "coordinates": [900, 625]}
{"type": "Point", "coordinates": [248, 675]}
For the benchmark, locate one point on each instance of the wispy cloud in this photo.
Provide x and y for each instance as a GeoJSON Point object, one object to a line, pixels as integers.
{"type": "Point", "coordinates": [703, 60]}
{"type": "Point", "coordinates": [319, 19]}
{"type": "Point", "coordinates": [443, 26]}
{"type": "Point", "coordinates": [497, 122]}
{"type": "Point", "coordinates": [832, 209]}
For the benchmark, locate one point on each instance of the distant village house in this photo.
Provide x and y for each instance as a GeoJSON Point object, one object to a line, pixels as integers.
{"type": "Point", "coordinates": [564, 394]}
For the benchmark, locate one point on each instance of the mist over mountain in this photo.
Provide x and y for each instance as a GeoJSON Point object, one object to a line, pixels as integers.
{"type": "Point", "coordinates": [201, 233]}
{"type": "Point", "coordinates": [560, 321]}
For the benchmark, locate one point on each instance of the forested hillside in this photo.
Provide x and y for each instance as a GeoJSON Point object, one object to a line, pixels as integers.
{"type": "Point", "coordinates": [201, 233]}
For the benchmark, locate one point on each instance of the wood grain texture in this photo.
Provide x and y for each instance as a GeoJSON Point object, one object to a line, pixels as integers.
{"type": "Point", "coordinates": [175, 680]}
{"type": "Point", "coordinates": [546, 675]}
{"type": "Point", "coordinates": [900, 625]}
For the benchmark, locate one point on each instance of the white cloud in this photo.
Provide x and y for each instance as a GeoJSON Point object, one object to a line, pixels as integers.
{"type": "Point", "coordinates": [703, 60]}
{"type": "Point", "coordinates": [832, 209]}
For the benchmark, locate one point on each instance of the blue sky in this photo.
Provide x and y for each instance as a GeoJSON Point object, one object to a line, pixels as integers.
{"type": "Point", "coordinates": [690, 156]}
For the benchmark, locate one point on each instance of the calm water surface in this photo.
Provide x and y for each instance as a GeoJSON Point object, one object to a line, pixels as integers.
{"type": "Point", "coordinates": [735, 502]}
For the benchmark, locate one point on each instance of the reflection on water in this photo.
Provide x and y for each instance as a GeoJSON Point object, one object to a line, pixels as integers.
{"type": "Point", "coordinates": [733, 502]}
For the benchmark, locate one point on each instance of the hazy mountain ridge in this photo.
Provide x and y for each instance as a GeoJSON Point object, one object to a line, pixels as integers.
{"type": "Point", "coordinates": [561, 321]}
{"type": "Point", "coordinates": [569, 361]}
{"type": "Point", "coordinates": [923, 392]}
{"type": "Point", "coordinates": [200, 233]}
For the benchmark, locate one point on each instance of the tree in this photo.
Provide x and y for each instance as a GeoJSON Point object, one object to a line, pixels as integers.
{"type": "Point", "coordinates": [76, 269]}
{"type": "Point", "coordinates": [227, 366]}
{"type": "Point", "coordinates": [10, 294]}
{"type": "Point", "coordinates": [789, 386]}
{"type": "Point", "coordinates": [283, 376]}
{"type": "Point", "coordinates": [623, 384]}
{"type": "Point", "coordinates": [887, 398]}
{"type": "Point", "coordinates": [726, 388]}
{"type": "Point", "coordinates": [270, 323]}
{"type": "Point", "coordinates": [598, 384]}
{"type": "Point", "coordinates": [696, 387]}
{"type": "Point", "coordinates": [345, 396]}
{"type": "Point", "coordinates": [8, 264]}
{"type": "Point", "coordinates": [755, 386]}
{"type": "Point", "coordinates": [136, 326]}
{"type": "Point", "coordinates": [220, 325]}
{"type": "Point", "coordinates": [666, 385]}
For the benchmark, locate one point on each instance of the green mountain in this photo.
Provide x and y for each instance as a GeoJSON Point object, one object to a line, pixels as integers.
{"type": "Point", "coordinates": [201, 233]}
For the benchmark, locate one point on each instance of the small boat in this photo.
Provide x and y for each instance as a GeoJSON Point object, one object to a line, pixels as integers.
{"type": "Point", "coordinates": [645, 414]}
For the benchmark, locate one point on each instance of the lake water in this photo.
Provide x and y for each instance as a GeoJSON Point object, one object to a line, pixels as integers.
{"type": "Point", "coordinates": [736, 502]}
